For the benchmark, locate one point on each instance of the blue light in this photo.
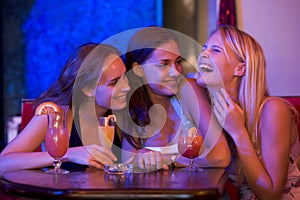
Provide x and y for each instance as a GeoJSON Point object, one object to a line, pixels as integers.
{"type": "Point", "coordinates": [55, 28]}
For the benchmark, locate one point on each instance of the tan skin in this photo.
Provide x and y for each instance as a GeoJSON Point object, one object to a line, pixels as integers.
{"type": "Point", "coordinates": [265, 180]}
{"type": "Point", "coordinates": [19, 154]}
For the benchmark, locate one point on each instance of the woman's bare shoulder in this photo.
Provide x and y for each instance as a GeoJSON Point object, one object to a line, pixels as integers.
{"type": "Point", "coordinates": [275, 104]}
{"type": "Point", "coordinates": [276, 116]}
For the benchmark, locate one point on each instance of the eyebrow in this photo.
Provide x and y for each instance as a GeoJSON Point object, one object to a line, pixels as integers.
{"type": "Point", "coordinates": [114, 80]}
{"type": "Point", "coordinates": [166, 60]}
{"type": "Point", "coordinates": [217, 46]}
{"type": "Point", "coordinates": [213, 46]}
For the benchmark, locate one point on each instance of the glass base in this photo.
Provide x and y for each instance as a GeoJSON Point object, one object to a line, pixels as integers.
{"type": "Point", "coordinates": [192, 168]}
{"type": "Point", "coordinates": [57, 171]}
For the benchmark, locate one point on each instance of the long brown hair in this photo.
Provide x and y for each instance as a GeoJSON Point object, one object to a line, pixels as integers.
{"type": "Point", "coordinates": [60, 92]}
{"type": "Point", "coordinates": [140, 48]}
{"type": "Point", "coordinates": [253, 85]}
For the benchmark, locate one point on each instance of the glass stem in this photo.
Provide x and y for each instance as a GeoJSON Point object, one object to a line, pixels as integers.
{"type": "Point", "coordinates": [56, 164]}
{"type": "Point", "coordinates": [191, 162]}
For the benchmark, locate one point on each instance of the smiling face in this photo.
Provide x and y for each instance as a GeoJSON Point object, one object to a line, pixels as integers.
{"type": "Point", "coordinates": [113, 85]}
{"type": "Point", "coordinates": [215, 68]}
{"type": "Point", "coordinates": [163, 69]}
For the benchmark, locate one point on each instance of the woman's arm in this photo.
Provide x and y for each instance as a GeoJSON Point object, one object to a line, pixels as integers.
{"type": "Point", "coordinates": [19, 153]}
{"type": "Point", "coordinates": [196, 106]}
{"type": "Point", "coordinates": [266, 176]}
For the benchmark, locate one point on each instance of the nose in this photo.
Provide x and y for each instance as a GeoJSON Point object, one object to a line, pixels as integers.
{"type": "Point", "coordinates": [204, 54]}
{"type": "Point", "coordinates": [125, 85]}
{"type": "Point", "coordinates": [174, 71]}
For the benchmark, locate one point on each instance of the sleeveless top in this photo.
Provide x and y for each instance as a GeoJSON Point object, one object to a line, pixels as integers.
{"type": "Point", "coordinates": [171, 146]}
{"type": "Point", "coordinates": [292, 186]}
{"type": "Point", "coordinates": [209, 141]}
{"type": "Point", "coordinates": [75, 141]}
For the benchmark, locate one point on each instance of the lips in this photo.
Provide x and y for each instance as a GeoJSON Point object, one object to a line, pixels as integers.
{"type": "Point", "coordinates": [170, 82]}
{"type": "Point", "coordinates": [122, 97]}
{"type": "Point", "coordinates": [205, 68]}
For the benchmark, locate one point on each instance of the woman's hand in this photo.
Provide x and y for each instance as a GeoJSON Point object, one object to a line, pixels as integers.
{"type": "Point", "coordinates": [150, 160]}
{"type": "Point", "coordinates": [229, 114]}
{"type": "Point", "coordinates": [92, 155]}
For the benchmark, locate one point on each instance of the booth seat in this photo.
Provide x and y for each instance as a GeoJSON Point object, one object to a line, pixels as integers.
{"type": "Point", "coordinates": [27, 112]}
{"type": "Point", "coordinates": [295, 100]}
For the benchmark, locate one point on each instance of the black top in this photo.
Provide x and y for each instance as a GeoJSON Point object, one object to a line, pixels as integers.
{"type": "Point", "coordinates": [75, 141]}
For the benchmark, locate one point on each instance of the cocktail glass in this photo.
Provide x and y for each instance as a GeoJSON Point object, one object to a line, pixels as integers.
{"type": "Point", "coordinates": [107, 130]}
{"type": "Point", "coordinates": [57, 138]}
{"type": "Point", "coordinates": [189, 146]}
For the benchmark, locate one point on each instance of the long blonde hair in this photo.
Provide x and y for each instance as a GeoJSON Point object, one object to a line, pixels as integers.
{"type": "Point", "coordinates": [253, 85]}
{"type": "Point", "coordinates": [253, 90]}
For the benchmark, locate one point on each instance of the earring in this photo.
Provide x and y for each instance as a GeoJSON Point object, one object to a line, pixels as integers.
{"type": "Point", "coordinates": [88, 92]}
{"type": "Point", "coordinates": [125, 89]}
{"type": "Point", "coordinates": [90, 95]}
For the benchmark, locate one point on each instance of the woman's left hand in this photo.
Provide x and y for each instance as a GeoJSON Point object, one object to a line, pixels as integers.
{"type": "Point", "coordinates": [229, 114]}
{"type": "Point", "coordinates": [150, 160]}
{"type": "Point", "coordinates": [92, 155]}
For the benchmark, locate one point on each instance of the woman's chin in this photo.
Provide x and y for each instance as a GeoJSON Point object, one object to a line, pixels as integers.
{"type": "Point", "coordinates": [119, 106]}
{"type": "Point", "coordinates": [201, 82]}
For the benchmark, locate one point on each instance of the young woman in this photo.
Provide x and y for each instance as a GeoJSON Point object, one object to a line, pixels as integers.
{"type": "Point", "coordinates": [159, 92]}
{"type": "Point", "coordinates": [100, 79]}
{"type": "Point", "coordinates": [262, 128]}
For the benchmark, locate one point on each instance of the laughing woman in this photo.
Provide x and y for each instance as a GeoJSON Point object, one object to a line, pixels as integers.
{"type": "Point", "coordinates": [263, 129]}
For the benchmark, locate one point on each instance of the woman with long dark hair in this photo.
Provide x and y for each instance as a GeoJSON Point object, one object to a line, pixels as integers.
{"type": "Point", "coordinates": [94, 75]}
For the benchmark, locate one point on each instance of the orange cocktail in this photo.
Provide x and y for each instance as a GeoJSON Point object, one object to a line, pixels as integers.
{"type": "Point", "coordinates": [107, 137]}
{"type": "Point", "coordinates": [57, 142]}
{"type": "Point", "coordinates": [107, 130]}
{"type": "Point", "coordinates": [189, 146]}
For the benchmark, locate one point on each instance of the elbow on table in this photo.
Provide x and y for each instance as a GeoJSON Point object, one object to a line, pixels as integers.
{"type": "Point", "coordinates": [6, 164]}
{"type": "Point", "coordinates": [219, 159]}
{"type": "Point", "coordinates": [222, 161]}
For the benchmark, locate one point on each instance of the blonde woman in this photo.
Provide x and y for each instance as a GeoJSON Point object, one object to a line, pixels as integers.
{"type": "Point", "coordinates": [263, 129]}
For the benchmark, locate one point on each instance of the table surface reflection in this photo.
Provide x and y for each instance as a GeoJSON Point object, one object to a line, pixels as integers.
{"type": "Point", "coordinates": [96, 184]}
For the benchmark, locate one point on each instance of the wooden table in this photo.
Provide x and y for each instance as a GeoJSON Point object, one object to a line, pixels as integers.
{"type": "Point", "coordinates": [96, 184]}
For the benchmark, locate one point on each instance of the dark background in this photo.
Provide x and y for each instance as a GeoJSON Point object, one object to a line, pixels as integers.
{"type": "Point", "coordinates": [16, 74]}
